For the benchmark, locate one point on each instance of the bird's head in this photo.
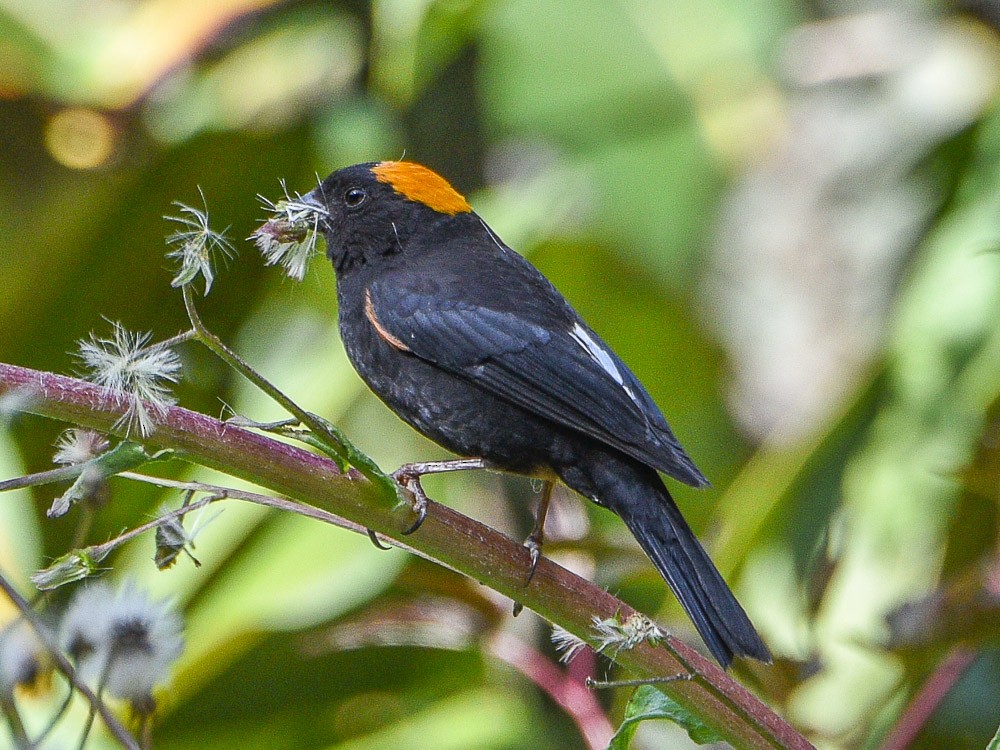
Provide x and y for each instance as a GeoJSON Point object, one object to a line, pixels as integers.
{"type": "Point", "coordinates": [370, 210]}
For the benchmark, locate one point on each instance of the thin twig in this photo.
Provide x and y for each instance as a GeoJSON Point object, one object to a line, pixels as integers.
{"type": "Point", "coordinates": [180, 338]}
{"type": "Point", "coordinates": [218, 492]}
{"type": "Point", "coordinates": [611, 684]}
{"type": "Point", "coordinates": [62, 664]}
{"type": "Point", "coordinates": [342, 450]}
{"type": "Point", "coordinates": [60, 474]}
{"type": "Point", "coordinates": [100, 551]}
{"type": "Point", "coordinates": [928, 698]}
{"type": "Point", "coordinates": [571, 695]}
{"type": "Point", "coordinates": [57, 715]}
{"type": "Point", "coordinates": [17, 731]}
{"type": "Point", "coordinates": [82, 528]}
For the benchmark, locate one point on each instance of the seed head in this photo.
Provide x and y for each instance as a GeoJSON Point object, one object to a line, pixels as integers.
{"type": "Point", "coordinates": [566, 644]}
{"type": "Point", "coordinates": [73, 566]}
{"type": "Point", "coordinates": [122, 641]}
{"type": "Point", "coordinates": [172, 538]}
{"type": "Point", "coordinates": [289, 236]}
{"type": "Point", "coordinates": [134, 371]}
{"type": "Point", "coordinates": [195, 244]}
{"type": "Point", "coordinates": [76, 446]}
{"type": "Point", "coordinates": [614, 634]}
{"type": "Point", "coordinates": [23, 659]}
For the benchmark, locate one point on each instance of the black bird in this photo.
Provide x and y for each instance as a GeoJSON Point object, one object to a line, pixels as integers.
{"type": "Point", "coordinates": [467, 342]}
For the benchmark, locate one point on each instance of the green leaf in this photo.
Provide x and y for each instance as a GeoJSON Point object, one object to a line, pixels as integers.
{"type": "Point", "coordinates": [995, 742]}
{"type": "Point", "coordinates": [649, 703]}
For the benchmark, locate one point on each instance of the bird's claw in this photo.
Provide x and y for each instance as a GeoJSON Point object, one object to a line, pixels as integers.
{"type": "Point", "coordinates": [376, 542]}
{"type": "Point", "coordinates": [534, 547]}
{"type": "Point", "coordinates": [420, 507]}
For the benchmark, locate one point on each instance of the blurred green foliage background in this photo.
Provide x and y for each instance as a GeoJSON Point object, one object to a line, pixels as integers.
{"type": "Point", "coordinates": [785, 216]}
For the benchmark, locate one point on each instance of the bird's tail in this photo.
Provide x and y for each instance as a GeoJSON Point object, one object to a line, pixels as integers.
{"type": "Point", "coordinates": [638, 495]}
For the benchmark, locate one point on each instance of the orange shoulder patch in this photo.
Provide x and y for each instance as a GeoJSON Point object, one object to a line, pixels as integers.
{"type": "Point", "coordinates": [380, 329]}
{"type": "Point", "coordinates": [420, 184]}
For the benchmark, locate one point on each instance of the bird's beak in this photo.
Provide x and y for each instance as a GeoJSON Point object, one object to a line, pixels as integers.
{"type": "Point", "coordinates": [314, 200]}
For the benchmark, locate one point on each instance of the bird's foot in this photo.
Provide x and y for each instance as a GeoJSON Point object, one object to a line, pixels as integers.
{"type": "Point", "coordinates": [408, 476]}
{"type": "Point", "coordinates": [409, 480]}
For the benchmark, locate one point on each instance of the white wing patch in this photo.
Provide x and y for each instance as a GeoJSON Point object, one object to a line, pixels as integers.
{"type": "Point", "coordinates": [598, 354]}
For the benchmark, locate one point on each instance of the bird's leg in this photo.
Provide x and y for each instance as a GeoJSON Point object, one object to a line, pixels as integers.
{"type": "Point", "coordinates": [408, 477]}
{"type": "Point", "coordinates": [534, 540]}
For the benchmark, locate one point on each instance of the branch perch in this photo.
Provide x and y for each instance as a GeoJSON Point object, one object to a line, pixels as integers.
{"type": "Point", "coordinates": [446, 536]}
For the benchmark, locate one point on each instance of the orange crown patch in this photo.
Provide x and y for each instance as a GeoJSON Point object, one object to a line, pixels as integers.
{"type": "Point", "coordinates": [420, 184]}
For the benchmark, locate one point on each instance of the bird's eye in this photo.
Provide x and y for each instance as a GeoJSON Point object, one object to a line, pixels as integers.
{"type": "Point", "coordinates": [354, 197]}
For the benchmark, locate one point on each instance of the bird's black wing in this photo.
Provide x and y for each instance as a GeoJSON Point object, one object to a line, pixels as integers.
{"type": "Point", "coordinates": [562, 372]}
